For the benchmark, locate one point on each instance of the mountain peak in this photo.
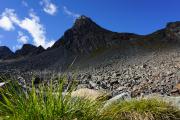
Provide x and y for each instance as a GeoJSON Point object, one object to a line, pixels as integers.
{"type": "Point", "coordinates": [83, 17]}
{"type": "Point", "coordinates": [173, 24]}
{"type": "Point", "coordinates": [84, 37]}
{"type": "Point", "coordinates": [173, 31]}
{"type": "Point", "coordinates": [4, 47]}
{"type": "Point", "coordinates": [83, 20]}
{"type": "Point", "coordinates": [5, 52]}
{"type": "Point", "coordinates": [29, 49]}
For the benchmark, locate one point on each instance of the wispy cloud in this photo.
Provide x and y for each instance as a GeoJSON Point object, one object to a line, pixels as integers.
{"type": "Point", "coordinates": [31, 24]}
{"type": "Point", "coordinates": [6, 23]}
{"type": "Point", "coordinates": [16, 47]}
{"type": "Point", "coordinates": [22, 38]}
{"type": "Point", "coordinates": [49, 7]}
{"type": "Point", "coordinates": [70, 13]}
{"type": "Point", "coordinates": [24, 3]}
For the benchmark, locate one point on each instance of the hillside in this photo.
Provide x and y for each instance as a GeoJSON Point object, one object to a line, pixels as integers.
{"type": "Point", "coordinates": [102, 59]}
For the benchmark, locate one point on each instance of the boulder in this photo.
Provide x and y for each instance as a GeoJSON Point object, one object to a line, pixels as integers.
{"type": "Point", "coordinates": [89, 94]}
{"type": "Point", "coordinates": [118, 98]}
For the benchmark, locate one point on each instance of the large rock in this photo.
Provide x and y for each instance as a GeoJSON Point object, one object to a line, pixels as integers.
{"type": "Point", "coordinates": [118, 98]}
{"type": "Point", "coordinates": [90, 94]}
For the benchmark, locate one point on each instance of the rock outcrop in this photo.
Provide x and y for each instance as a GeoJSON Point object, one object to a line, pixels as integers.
{"type": "Point", "coordinates": [86, 36]}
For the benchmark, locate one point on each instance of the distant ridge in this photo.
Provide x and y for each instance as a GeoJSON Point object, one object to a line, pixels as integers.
{"type": "Point", "coordinates": [5, 52]}
{"type": "Point", "coordinates": [29, 50]}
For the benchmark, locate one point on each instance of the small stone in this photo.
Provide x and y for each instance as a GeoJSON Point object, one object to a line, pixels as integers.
{"type": "Point", "coordinates": [37, 80]}
{"type": "Point", "coordinates": [121, 88]}
{"type": "Point", "coordinates": [178, 86]}
{"type": "Point", "coordinates": [144, 65]}
{"type": "Point", "coordinates": [92, 84]}
{"type": "Point", "coordinates": [89, 94]}
{"type": "Point", "coordinates": [114, 82]}
{"type": "Point", "coordinates": [175, 91]}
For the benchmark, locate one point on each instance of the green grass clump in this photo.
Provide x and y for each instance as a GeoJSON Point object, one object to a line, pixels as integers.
{"type": "Point", "coordinates": [52, 104]}
{"type": "Point", "coordinates": [143, 109]}
{"type": "Point", "coordinates": [47, 104]}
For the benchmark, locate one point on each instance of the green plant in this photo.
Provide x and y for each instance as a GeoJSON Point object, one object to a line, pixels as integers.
{"type": "Point", "coordinates": [143, 109]}
{"type": "Point", "coordinates": [46, 104]}
{"type": "Point", "coordinates": [49, 103]}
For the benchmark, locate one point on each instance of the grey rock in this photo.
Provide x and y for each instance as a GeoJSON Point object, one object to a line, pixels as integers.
{"type": "Point", "coordinates": [118, 98]}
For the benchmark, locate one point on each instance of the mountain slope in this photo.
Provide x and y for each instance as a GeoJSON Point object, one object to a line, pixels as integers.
{"type": "Point", "coordinates": [86, 42]}
{"type": "Point", "coordinates": [106, 60]}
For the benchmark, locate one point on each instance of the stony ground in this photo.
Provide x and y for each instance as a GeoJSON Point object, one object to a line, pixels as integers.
{"type": "Point", "coordinates": [100, 59]}
{"type": "Point", "coordinates": [139, 75]}
{"type": "Point", "coordinates": [158, 72]}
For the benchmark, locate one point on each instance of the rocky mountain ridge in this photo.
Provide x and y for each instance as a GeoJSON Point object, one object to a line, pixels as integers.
{"type": "Point", "coordinates": [86, 36]}
{"type": "Point", "coordinates": [28, 49]}
{"type": "Point", "coordinates": [106, 60]}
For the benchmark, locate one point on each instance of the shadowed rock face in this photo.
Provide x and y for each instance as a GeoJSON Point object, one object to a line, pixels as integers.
{"type": "Point", "coordinates": [5, 52]}
{"type": "Point", "coordinates": [28, 50]}
{"type": "Point", "coordinates": [84, 37]}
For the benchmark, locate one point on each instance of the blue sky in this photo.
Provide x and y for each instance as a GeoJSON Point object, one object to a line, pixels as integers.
{"type": "Point", "coordinates": [42, 22]}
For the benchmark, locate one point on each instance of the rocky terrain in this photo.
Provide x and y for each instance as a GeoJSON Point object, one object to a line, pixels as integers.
{"type": "Point", "coordinates": [104, 60]}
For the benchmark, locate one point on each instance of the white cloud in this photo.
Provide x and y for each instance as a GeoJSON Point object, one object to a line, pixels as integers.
{"type": "Point", "coordinates": [16, 47]}
{"type": "Point", "coordinates": [6, 24]}
{"type": "Point", "coordinates": [11, 15]}
{"type": "Point", "coordinates": [70, 13]}
{"type": "Point", "coordinates": [32, 25]}
{"type": "Point", "coordinates": [49, 7]}
{"type": "Point", "coordinates": [37, 30]}
{"type": "Point", "coordinates": [23, 39]}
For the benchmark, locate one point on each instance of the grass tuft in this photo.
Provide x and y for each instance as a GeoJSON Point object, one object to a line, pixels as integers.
{"type": "Point", "coordinates": [53, 104]}
{"type": "Point", "coordinates": [143, 109]}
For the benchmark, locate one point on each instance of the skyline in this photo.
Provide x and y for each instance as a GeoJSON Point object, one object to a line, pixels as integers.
{"type": "Point", "coordinates": [43, 22]}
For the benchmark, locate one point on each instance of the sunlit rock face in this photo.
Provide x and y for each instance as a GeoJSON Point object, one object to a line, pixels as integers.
{"type": "Point", "coordinates": [173, 31]}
